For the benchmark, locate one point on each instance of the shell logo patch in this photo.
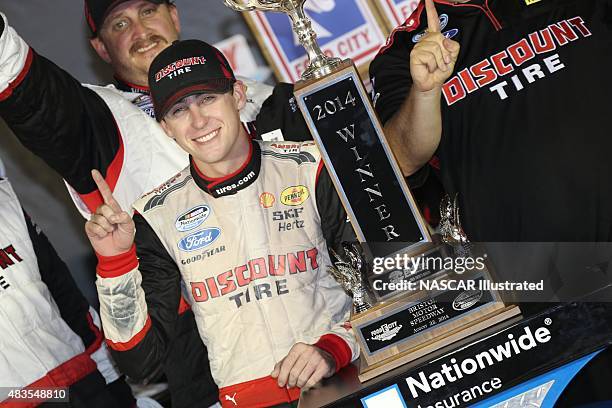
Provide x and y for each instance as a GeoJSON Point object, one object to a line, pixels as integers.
{"type": "Point", "coordinates": [266, 199]}
{"type": "Point", "coordinates": [294, 195]}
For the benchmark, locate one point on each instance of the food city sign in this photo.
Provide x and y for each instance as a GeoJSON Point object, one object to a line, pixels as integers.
{"type": "Point", "coordinates": [345, 29]}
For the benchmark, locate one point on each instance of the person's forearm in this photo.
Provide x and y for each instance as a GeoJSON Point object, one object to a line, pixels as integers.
{"type": "Point", "coordinates": [414, 131]}
{"type": "Point", "coordinates": [136, 341]}
{"type": "Point", "coordinates": [67, 125]}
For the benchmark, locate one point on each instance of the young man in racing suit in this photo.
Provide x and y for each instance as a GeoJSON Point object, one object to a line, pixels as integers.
{"type": "Point", "coordinates": [50, 334]}
{"type": "Point", "coordinates": [75, 127]}
{"type": "Point", "coordinates": [246, 227]}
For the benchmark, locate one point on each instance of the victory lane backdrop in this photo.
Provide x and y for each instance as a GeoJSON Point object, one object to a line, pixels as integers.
{"type": "Point", "coordinates": [345, 29]}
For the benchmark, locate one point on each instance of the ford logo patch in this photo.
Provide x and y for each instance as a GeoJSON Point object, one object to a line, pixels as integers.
{"type": "Point", "coordinates": [451, 33]}
{"type": "Point", "coordinates": [199, 239]}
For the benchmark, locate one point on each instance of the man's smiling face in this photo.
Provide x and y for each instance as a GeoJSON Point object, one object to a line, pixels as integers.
{"type": "Point", "coordinates": [208, 127]}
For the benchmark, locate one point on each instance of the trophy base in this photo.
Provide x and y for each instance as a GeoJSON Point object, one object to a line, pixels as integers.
{"type": "Point", "coordinates": [367, 371]}
{"type": "Point", "coordinates": [418, 317]}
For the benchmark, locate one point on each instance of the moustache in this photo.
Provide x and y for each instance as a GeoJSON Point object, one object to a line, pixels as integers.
{"type": "Point", "coordinates": [145, 42]}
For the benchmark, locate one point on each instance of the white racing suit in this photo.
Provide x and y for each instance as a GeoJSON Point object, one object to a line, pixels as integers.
{"type": "Point", "coordinates": [252, 251]}
{"type": "Point", "coordinates": [50, 336]}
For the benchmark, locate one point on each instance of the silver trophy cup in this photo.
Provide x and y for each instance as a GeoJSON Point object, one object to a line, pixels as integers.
{"type": "Point", "coordinates": [320, 65]}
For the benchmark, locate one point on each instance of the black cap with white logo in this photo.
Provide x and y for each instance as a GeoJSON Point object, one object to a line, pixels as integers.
{"type": "Point", "coordinates": [187, 68]}
{"type": "Point", "coordinates": [97, 10]}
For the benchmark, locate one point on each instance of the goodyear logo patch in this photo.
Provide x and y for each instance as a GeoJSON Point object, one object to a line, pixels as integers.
{"type": "Point", "coordinates": [192, 218]}
{"type": "Point", "coordinates": [199, 239]}
{"type": "Point", "coordinates": [294, 195]}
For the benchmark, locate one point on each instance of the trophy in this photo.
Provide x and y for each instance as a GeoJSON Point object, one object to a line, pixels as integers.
{"type": "Point", "coordinates": [351, 273]}
{"type": "Point", "coordinates": [393, 327]}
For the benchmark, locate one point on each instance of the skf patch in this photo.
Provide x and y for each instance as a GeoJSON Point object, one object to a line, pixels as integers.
{"type": "Point", "coordinates": [294, 195]}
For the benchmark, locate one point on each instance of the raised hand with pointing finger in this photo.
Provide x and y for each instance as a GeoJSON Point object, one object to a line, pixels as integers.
{"type": "Point", "coordinates": [433, 59]}
{"type": "Point", "coordinates": [110, 229]}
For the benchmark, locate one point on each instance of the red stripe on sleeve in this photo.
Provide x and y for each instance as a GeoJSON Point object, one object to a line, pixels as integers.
{"type": "Point", "coordinates": [183, 306]}
{"type": "Point", "coordinates": [319, 172]}
{"type": "Point", "coordinates": [64, 375]}
{"type": "Point", "coordinates": [93, 347]}
{"type": "Point", "coordinates": [134, 341]}
{"type": "Point", "coordinates": [337, 347]}
{"type": "Point", "coordinates": [93, 200]}
{"type": "Point", "coordinates": [117, 265]}
{"type": "Point", "coordinates": [15, 83]}
{"type": "Point", "coordinates": [410, 24]}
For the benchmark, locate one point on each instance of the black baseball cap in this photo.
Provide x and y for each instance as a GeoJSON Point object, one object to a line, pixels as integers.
{"type": "Point", "coordinates": [187, 68]}
{"type": "Point", "coordinates": [97, 10]}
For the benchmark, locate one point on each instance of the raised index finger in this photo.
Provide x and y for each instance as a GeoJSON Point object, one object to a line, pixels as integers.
{"type": "Point", "coordinates": [433, 21]}
{"type": "Point", "coordinates": [105, 191]}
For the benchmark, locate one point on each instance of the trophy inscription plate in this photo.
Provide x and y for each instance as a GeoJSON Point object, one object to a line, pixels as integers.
{"type": "Point", "coordinates": [413, 318]}
{"type": "Point", "coordinates": [361, 165]}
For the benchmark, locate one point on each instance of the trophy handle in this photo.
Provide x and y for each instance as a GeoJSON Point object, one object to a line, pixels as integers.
{"type": "Point", "coordinates": [240, 5]}
{"type": "Point", "coordinates": [450, 222]}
